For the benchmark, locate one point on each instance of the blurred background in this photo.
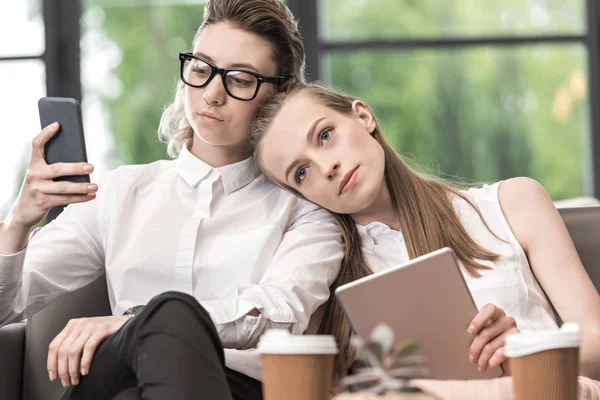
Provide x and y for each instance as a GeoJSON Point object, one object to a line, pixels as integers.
{"type": "Point", "coordinates": [481, 90]}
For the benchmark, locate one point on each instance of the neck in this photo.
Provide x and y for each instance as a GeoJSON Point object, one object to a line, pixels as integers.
{"type": "Point", "coordinates": [218, 156]}
{"type": "Point", "coordinates": [381, 210]}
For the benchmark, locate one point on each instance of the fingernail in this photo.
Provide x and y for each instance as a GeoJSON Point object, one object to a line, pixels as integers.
{"type": "Point", "coordinates": [92, 187]}
{"type": "Point", "coordinates": [88, 167]}
{"type": "Point", "coordinates": [55, 124]}
{"type": "Point", "coordinates": [75, 381]}
{"type": "Point", "coordinates": [83, 371]}
{"type": "Point", "coordinates": [480, 370]}
{"type": "Point", "coordinates": [64, 383]}
{"type": "Point", "coordinates": [471, 329]}
{"type": "Point", "coordinates": [51, 376]}
{"type": "Point", "coordinates": [471, 358]}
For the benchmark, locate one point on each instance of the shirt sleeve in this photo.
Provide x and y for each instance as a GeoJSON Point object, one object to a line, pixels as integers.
{"type": "Point", "coordinates": [294, 285]}
{"type": "Point", "coordinates": [63, 256]}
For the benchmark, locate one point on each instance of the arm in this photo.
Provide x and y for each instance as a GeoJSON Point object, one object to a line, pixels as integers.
{"type": "Point", "coordinates": [295, 284]}
{"type": "Point", "coordinates": [63, 256]}
{"type": "Point", "coordinates": [538, 227]}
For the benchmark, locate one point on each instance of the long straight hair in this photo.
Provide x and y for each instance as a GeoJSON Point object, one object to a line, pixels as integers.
{"type": "Point", "coordinates": [423, 206]}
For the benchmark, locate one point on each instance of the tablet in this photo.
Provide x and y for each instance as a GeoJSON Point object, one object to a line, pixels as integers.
{"type": "Point", "coordinates": [426, 300]}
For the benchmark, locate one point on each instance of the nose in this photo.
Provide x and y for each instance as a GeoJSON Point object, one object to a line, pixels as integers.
{"type": "Point", "coordinates": [214, 92]}
{"type": "Point", "coordinates": [331, 169]}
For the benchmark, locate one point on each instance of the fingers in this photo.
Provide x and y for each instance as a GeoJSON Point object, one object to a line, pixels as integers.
{"type": "Point", "coordinates": [52, 362]}
{"type": "Point", "coordinates": [42, 138]}
{"type": "Point", "coordinates": [489, 333]}
{"type": "Point", "coordinates": [498, 358]}
{"type": "Point", "coordinates": [63, 360]}
{"type": "Point", "coordinates": [88, 352]}
{"type": "Point", "coordinates": [488, 314]}
{"type": "Point", "coordinates": [41, 170]}
{"type": "Point", "coordinates": [489, 350]}
{"type": "Point", "coordinates": [64, 188]}
{"type": "Point", "coordinates": [74, 353]}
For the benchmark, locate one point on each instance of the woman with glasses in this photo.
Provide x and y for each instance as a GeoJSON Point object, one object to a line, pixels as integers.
{"type": "Point", "coordinates": [200, 253]}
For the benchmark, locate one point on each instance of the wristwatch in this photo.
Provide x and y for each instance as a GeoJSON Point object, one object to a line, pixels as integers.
{"type": "Point", "coordinates": [132, 311]}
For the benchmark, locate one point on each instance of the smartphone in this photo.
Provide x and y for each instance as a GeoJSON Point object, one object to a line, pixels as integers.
{"type": "Point", "coordinates": [68, 144]}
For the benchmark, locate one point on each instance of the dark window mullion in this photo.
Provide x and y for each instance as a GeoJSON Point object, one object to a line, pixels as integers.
{"type": "Point", "coordinates": [306, 13]}
{"type": "Point", "coordinates": [593, 42]}
{"type": "Point", "coordinates": [440, 43]}
{"type": "Point", "coordinates": [21, 58]}
{"type": "Point", "coordinates": [62, 55]}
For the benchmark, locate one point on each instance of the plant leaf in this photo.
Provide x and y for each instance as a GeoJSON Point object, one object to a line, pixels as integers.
{"type": "Point", "coordinates": [384, 335]}
{"type": "Point", "coordinates": [405, 349]}
{"type": "Point", "coordinates": [373, 353]}
{"type": "Point", "coordinates": [406, 361]}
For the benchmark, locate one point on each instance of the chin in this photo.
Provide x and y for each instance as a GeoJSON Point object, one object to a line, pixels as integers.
{"type": "Point", "coordinates": [215, 139]}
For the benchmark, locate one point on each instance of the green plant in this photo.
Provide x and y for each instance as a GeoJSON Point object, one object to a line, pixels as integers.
{"type": "Point", "coordinates": [390, 365]}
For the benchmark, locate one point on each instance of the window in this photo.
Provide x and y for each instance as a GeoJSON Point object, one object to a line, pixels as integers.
{"type": "Point", "coordinates": [479, 90]}
{"type": "Point", "coordinates": [476, 90]}
{"type": "Point", "coordinates": [22, 79]}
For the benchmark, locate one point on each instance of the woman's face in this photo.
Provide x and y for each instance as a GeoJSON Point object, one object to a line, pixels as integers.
{"type": "Point", "coordinates": [216, 118]}
{"type": "Point", "coordinates": [330, 158]}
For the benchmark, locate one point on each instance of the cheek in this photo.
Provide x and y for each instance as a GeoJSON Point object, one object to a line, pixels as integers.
{"type": "Point", "coordinates": [243, 113]}
{"type": "Point", "coordinates": [191, 98]}
{"type": "Point", "coordinates": [321, 194]}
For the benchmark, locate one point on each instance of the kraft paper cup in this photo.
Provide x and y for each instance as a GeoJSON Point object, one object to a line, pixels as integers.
{"type": "Point", "coordinates": [298, 367]}
{"type": "Point", "coordinates": [545, 364]}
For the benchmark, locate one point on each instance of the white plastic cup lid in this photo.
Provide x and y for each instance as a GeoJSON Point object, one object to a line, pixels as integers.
{"type": "Point", "coordinates": [525, 343]}
{"type": "Point", "coordinates": [280, 341]}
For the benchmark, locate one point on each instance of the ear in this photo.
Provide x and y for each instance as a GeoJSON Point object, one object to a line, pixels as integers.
{"type": "Point", "coordinates": [365, 114]}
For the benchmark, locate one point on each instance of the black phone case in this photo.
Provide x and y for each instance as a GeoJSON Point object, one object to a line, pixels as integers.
{"type": "Point", "coordinates": [68, 145]}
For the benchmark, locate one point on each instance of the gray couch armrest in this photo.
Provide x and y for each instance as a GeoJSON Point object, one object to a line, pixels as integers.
{"type": "Point", "coordinates": [12, 351]}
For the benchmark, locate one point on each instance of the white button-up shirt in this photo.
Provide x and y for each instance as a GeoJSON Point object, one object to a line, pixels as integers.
{"type": "Point", "coordinates": [224, 235]}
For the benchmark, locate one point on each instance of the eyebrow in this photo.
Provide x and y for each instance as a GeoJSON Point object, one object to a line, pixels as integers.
{"type": "Point", "coordinates": [236, 65]}
{"type": "Point", "coordinates": [309, 138]}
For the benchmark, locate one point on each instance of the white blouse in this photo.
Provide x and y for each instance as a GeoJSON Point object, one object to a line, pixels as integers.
{"type": "Point", "coordinates": [510, 284]}
{"type": "Point", "coordinates": [224, 235]}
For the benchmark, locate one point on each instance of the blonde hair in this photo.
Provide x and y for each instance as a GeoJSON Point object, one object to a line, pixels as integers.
{"type": "Point", "coordinates": [423, 206]}
{"type": "Point", "coordinates": [269, 19]}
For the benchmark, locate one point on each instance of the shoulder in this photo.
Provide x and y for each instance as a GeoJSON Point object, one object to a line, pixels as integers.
{"type": "Point", "coordinates": [520, 196]}
{"type": "Point", "coordinates": [524, 201]}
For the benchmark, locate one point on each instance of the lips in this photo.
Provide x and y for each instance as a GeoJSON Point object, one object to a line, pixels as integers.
{"type": "Point", "coordinates": [207, 114]}
{"type": "Point", "coordinates": [347, 178]}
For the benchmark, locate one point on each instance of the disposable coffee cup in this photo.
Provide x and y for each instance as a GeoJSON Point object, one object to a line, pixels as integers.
{"type": "Point", "coordinates": [545, 364]}
{"type": "Point", "coordinates": [298, 367]}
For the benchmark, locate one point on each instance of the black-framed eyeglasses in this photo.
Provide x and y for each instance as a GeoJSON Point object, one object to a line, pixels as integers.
{"type": "Point", "coordinates": [239, 84]}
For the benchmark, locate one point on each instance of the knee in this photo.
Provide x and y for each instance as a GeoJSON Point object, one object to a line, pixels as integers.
{"type": "Point", "coordinates": [172, 306]}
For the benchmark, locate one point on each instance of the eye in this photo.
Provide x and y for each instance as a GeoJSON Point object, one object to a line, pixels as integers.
{"type": "Point", "coordinates": [300, 174]}
{"type": "Point", "coordinates": [325, 134]}
{"type": "Point", "coordinates": [201, 71]}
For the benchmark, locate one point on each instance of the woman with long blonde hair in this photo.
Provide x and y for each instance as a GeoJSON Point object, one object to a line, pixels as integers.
{"type": "Point", "coordinates": [516, 255]}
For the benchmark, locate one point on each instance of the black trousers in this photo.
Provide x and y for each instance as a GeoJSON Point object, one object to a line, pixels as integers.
{"type": "Point", "coordinates": [170, 350]}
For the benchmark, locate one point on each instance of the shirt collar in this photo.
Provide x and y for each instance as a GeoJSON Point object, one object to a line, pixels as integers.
{"type": "Point", "coordinates": [235, 176]}
{"type": "Point", "coordinates": [372, 231]}
{"type": "Point", "coordinates": [191, 168]}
